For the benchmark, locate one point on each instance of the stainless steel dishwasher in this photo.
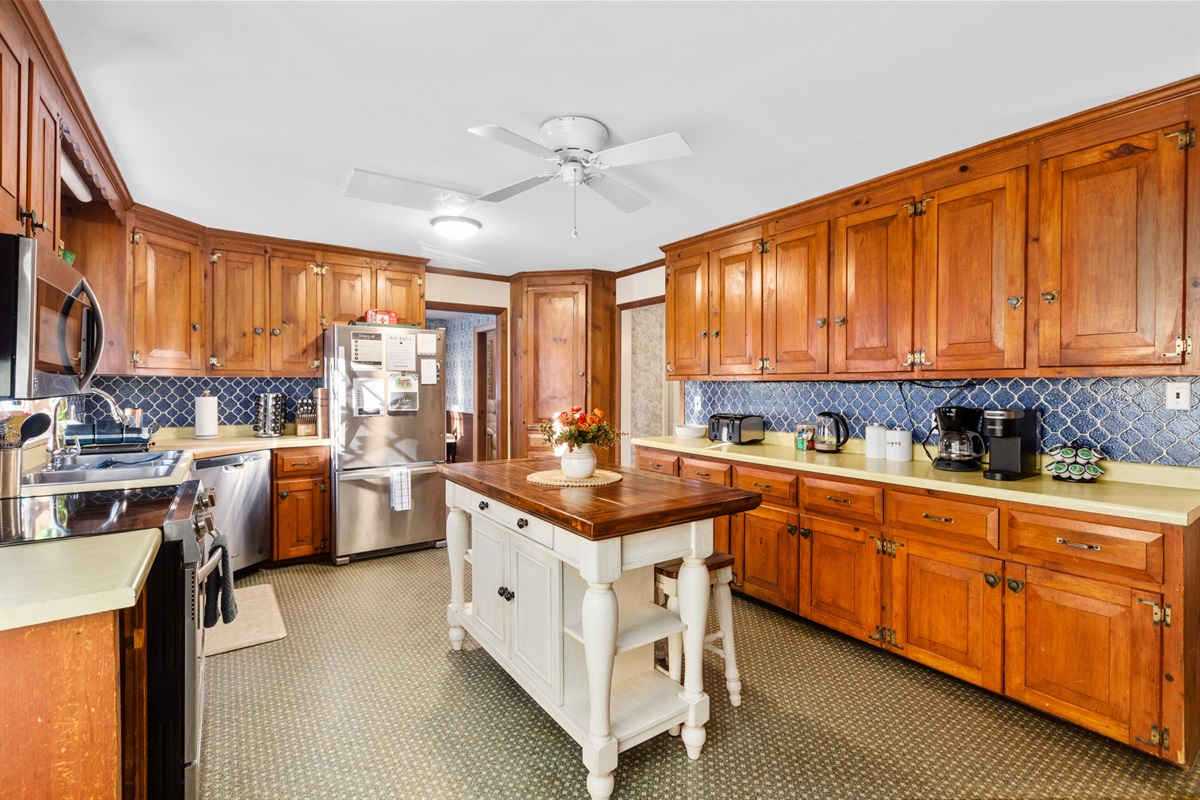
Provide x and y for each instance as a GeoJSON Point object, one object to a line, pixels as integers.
{"type": "Point", "coordinates": [243, 510]}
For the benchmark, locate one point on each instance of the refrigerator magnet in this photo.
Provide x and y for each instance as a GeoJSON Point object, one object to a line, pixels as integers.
{"type": "Point", "coordinates": [402, 392]}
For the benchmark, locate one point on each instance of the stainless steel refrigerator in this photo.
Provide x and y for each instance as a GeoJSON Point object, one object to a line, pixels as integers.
{"type": "Point", "coordinates": [387, 410]}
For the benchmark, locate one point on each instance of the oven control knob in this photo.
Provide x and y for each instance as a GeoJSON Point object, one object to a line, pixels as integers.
{"type": "Point", "coordinates": [204, 524]}
{"type": "Point", "coordinates": [208, 498]}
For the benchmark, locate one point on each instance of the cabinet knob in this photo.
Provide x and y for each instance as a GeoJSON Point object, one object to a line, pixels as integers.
{"type": "Point", "coordinates": [283, 495]}
{"type": "Point", "coordinates": [792, 529]}
{"type": "Point", "coordinates": [839, 321]}
{"type": "Point", "coordinates": [483, 505]}
{"type": "Point", "coordinates": [1049, 297]}
{"type": "Point", "coordinates": [717, 333]}
{"type": "Point", "coordinates": [806, 532]}
{"type": "Point", "coordinates": [500, 592]}
{"type": "Point", "coordinates": [991, 579]}
{"type": "Point", "coordinates": [1015, 586]}
{"type": "Point", "coordinates": [1015, 301]}
{"type": "Point", "coordinates": [195, 326]}
{"type": "Point", "coordinates": [821, 322]}
{"type": "Point", "coordinates": [275, 331]}
{"type": "Point", "coordinates": [703, 334]}
{"type": "Point", "coordinates": [258, 331]}
{"type": "Point", "coordinates": [522, 522]}
{"type": "Point", "coordinates": [582, 373]}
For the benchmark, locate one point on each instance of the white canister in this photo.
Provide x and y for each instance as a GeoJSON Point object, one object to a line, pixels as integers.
{"type": "Point", "coordinates": [876, 439]}
{"type": "Point", "coordinates": [899, 446]}
{"type": "Point", "coordinates": [206, 417]}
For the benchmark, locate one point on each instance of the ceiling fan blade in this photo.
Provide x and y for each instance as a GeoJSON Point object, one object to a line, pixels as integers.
{"type": "Point", "coordinates": [517, 188]}
{"type": "Point", "coordinates": [658, 148]}
{"type": "Point", "coordinates": [504, 136]}
{"type": "Point", "coordinates": [620, 196]}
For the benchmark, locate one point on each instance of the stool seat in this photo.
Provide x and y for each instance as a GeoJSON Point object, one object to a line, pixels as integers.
{"type": "Point", "coordinates": [670, 569]}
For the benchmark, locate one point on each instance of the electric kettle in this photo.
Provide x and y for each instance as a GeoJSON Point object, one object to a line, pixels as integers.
{"type": "Point", "coordinates": [832, 432]}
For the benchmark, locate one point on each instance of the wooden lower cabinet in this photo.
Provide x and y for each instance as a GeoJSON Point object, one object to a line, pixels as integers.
{"type": "Point", "coordinates": [300, 503]}
{"type": "Point", "coordinates": [765, 553]}
{"type": "Point", "coordinates": [840, 570]}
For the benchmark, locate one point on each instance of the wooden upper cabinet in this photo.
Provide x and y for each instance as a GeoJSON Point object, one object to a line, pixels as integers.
{"type": "Point", "coordinates": [735, 329]}
{"type": "Point", "coordinates": [45, 126]}
{"type": "Point", "coordinates": [12, 101]}
{"type": "Point", "coordinates": [872, 290]}
{"type": "Point", "coordinates": [402, 291]}
{"type": "Point", "coordinates": [347, 289]}
{"type": "Point", "coordinates": [240, 341]}
{"type": "Point", "coordinates": [687, 317]}
{"type": "Point", "coordinates": [970, 276]}
{"type": "Point", "coordinates": [168, 306]}
{"type": "Point", "coordinates": [295, 331]}
{"type": "Point", "coordinates": [554, 363]}
{"type": "Point", "coordinates": [795, 302]}
{"type": "Point", "coordinates": [1112, 237]}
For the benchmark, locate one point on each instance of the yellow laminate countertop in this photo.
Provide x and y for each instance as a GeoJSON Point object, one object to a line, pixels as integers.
{"type": "Point", "coordinates": [230, 439]}
{"type": "Point", "coordinates": [1168, 495]}
{"type": "Point", "coordinates": [59, 579]}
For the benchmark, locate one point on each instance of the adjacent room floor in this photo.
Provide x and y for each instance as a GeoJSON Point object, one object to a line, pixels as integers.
{"type": "Point", "coordinates": [365, 699]}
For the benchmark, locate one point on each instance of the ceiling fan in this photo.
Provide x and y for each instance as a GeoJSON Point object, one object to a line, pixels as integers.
{"type": "Point", "coordinates": [572, 145]}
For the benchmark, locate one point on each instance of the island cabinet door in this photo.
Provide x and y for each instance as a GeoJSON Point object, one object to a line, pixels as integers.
{"type": "Point", "coordinates": [769, 555]}
{"type": "Point", "coordinates": [489, 578]}
{"type": "Point", "coordinates": [840, 573]}
{"type": "Point", "coordinates": [948, 611]}
{"type": "Point", "coordinates": [1085, 650]}
{"type": "Point", "coordinates": [534, 587]}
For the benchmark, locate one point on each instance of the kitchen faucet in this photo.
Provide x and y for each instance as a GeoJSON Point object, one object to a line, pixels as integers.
{"type": "Point", "coordinates": [56, 444]}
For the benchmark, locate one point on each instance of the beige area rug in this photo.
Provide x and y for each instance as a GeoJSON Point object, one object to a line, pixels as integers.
{"type": "Point", "coordinates": [258, 621]}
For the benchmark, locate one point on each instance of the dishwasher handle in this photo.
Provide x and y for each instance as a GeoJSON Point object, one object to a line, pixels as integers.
{"type": "Point", "coordinates": [236, 460]}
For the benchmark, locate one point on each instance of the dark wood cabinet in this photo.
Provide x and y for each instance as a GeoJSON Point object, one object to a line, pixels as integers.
{"type": "Point", "coordinates": [347, 289]}
{"type": "Point", "coordinates": [735, 289]}
{"type": "Point", "coordinates": [401, 289]}
{"type": "Point", "coordinates": [168, 301]}
{"type": "Point", "coordinates": [240, 340]}
{"type": "Point", "coordinates": [12, 102]}
{"type": "Point", "coordinates": [295, 327]}
{"type": "Point", "coordinates": [301, 502]}
{"type": "Point", "coordinates": [840, 569]}
{"type": "Point", "coordinates": [687, 347]}
{"type": "Point", "coordinates": [766, 544]}
{"type": "Point", "coordinates": [795, 302]}
{"type": "Point", "coordinates": [43, 202]}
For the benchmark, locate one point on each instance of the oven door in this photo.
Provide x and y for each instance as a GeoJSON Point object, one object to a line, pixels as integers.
{"type": "Point", "coordinates": [193, 702]}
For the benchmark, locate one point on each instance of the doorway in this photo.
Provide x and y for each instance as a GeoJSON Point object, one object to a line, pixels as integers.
{"type": "Point", "coordinates": [476, 378]}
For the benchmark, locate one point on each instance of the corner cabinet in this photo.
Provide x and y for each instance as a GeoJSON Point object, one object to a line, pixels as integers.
{"type": "Point", "coordinates": [564, 351]}
{"type": "Point", "coordinates": [300, 504]}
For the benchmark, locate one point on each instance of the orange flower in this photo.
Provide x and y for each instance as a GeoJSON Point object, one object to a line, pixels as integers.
{"type": "Point", "coordinates": [576, 409]}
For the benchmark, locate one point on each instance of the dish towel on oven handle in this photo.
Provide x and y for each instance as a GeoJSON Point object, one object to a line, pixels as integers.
{"type": "Point", "coordinates": [401, 489]}
{"type": "Point", "coordinates": [219, 582]}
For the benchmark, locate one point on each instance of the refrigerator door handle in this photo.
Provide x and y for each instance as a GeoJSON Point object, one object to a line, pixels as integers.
{"type": "Point", "coordinates": [385, 472]}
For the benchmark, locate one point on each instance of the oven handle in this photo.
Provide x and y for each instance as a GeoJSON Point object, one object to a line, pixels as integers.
{"type": "Point", "coordinates": [203, 573]}
{"type": "Point", "coordinates": [97, 335]}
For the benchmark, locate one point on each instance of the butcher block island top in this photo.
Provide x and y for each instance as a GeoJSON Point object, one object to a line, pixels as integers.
{"type": "Point", "coordinates": [640, 501]}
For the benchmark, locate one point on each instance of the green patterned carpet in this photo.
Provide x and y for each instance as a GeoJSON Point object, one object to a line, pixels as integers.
{"type": "Point", "coordinates": [364, 699]}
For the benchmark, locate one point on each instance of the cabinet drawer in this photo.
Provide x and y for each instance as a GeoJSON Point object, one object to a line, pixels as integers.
{"type": "Point", "coordinates": [769, 483]}
{"type": "Point", "coordinates": [945, 518]}
{"type": "Point", "coordinates": [850, 500]}
{"type": "Point", "coordinates": [1093, 544]}
{"type": "Point", "coordinates": [514, 519]}
{"type": "Point", "coordinates": [707, 471]}
{"type": "Point", "coordinates": [301, 461]}
{"type": "Point", "coordinates": [661, 463]}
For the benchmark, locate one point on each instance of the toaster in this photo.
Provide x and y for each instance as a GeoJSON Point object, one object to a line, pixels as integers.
{"type": "Point", "coordinates": [736, 428]}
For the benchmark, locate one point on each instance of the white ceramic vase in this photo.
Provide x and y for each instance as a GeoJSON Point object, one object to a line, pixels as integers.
{"type": "Point", "coordinates": [579, 463]}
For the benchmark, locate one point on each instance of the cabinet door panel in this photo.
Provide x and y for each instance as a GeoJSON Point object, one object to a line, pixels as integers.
{"type": "Point", "coordinates": [1112, 246]}
{"type": "Point", "coordinates": [402, 291]}
{"type": "Point", "coordinates": [971, 259]}
{"type": "Point", "coordinates": [536, 615]}
{"type": "Point", "coordinates": [347, 291]}
{"type": "Point", "coordinates": [872, 290]}
{"type": "Point", "coordinates": [688, 317]}
{"type": "Point", "coordinates": [11, 103]}
{"type": "Point", "coordinates": [770, 555]}
{"type": "Point", "coordinates": [736, 335]}
{"type": "Point", "coordinates": [840, 577]}
{"type": "Point", "coordinates": [295, 308]}
{"type": "Point", "coordinates": [43, 164]}
{"type": "Point", "coordinates": [555, 360]}
{"type": "Point", "coordinates": [1084, 650]}
{"type": "Point", "coordinates": [489, 572]}
{"type": "Point", "coordinates": [945, 614]}
{"type": "Point", "coordinates": [239, 309]}
{"type": "Point", "coordinates": [301, 517]}
{"type": "Point", "coordinates": [168, 292]}
{"type": "Point", "coordinates": [796, 301]}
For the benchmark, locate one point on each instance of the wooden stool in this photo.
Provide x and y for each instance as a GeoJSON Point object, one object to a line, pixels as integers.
{"type": "Point", "coordinates": [720, 573]}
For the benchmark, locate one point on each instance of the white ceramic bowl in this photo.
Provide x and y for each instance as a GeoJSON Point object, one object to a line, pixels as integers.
{"type": "Point", "coordinates": [691, 431]}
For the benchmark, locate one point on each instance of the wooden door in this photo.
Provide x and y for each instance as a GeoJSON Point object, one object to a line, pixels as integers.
{"type": "Point", "coordinates": [840, 576]}
{"type": "Point", "coordinates": [735, 281]}
{"type": "Point", "coordinates": [1112, 233]}
{"type": "Point", "coordinates": [402, 291]}
{"type": "Point", "coordinates": [489, 575]}
{"type": "Point", "coordinates": [1084, 650]}
{"type": "Point", "coordinates": [770, 555]}
{"type": "Point", "coordinates": [43, 198]}
{"type": "Point", "coordinates": [554, 356]}
{"type": "Point", "coordinates": [970, 288]}
{"type": "Point", "coordinates": [948, 611]}
{"type": "Point", "coordinates": [12, 105]}
{"type": "Point", "coordinates": [239, 309]}
{"type": "Point", "coordinates": [795, 302]}
{"type": "Point", "coordinates": [687, 317]}
{"type": "Point", "coordinates": [872, 291]}
{"type": "Point", "coordinates": [295, 317]}
{"type": "Point", "coordinates": [347, 289]}
{"type": "Point", "coordinates": [535, 581]}
{"type": "Point", "coordinates": [301, 513]}
{"type": "Point", "coordinates": [168, 304]}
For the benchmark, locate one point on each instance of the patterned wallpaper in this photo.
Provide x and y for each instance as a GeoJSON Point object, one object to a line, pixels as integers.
{"type": "Point", "coordinates": [170, 402]}
{"type": "Point", "coordinates": [460, 358]}
{"type": "Point", "coordinates": [1126, 418]}
{"type": "Point", "coordinates": [647, 366]}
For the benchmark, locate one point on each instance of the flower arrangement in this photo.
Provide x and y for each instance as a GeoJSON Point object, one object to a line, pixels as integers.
{"type": "Point", "coordinates": [576, 427]}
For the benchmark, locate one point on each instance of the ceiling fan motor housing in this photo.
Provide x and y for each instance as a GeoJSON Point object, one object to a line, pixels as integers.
{"type": "Point", "coordinates": [579, 137]}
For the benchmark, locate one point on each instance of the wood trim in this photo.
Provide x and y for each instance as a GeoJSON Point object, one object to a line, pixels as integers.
{"type": "Point", "coordinates": [556, 275]}
{"type": "Point", "coordinates": [463, 273]}
{"type": "Point", "coordinates": [662, 262]}
{"type": "Point", "coordinates": [272, 242]}
{"type": "Point", "coordinates": [648, 301]}
{"type": "Point", "coordinates": [462, 307]}
{"type": "Point", "coordinates": [169, 224]}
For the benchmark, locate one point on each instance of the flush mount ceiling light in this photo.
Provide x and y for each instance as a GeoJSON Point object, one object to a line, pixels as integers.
{"type": "Point", "coordinates": [456, 227]}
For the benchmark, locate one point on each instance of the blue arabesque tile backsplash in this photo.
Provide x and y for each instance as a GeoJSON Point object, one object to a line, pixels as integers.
{"type": "Point", "coordinates": [170, 402]}
{"type": "Point", "coordinates": [1126, 418]}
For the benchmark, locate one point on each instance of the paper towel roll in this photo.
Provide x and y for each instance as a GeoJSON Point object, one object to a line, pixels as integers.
{"type": "Point", "coordinates": [899, 445]}
{"type": "Point", "coordinates": [206, 417]}
{"type": "Point", "coordinates": [876, 438]}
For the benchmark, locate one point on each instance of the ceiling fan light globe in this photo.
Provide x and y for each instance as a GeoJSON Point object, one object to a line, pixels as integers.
{"type": "Point", "coordinates": [456, 227]}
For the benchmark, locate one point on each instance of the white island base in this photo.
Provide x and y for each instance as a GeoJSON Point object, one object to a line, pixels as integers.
{"type": "Point", "coordinates": [573, 621]}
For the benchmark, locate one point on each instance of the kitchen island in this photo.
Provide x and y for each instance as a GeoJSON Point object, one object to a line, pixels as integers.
{"type": "Point", "coordinates": [562, 596]}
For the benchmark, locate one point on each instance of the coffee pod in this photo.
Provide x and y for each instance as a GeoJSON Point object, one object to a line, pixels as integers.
{"type": "Point", "coordinates": [1092, 471]}
{"type": "Point", "coordinates": [1067, 455]}
{"type": "Point", "coordinates": [1075, 471]}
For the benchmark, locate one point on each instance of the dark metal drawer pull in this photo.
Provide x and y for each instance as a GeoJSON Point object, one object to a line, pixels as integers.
{"type": "Point", "coordinates": [301, 463]}
{"type": "Point", "coordinates": [843, 500]}
{"type": "Point", "coordinates": [483, 505]}
{"type": "Point", "coordinates": [947, 520]}
{"type": "Point", "coordinates": [765, 488]}
{"type": "Point", "coordinates": [703, 474]}
{"type": "Point", "coordinates": [522, 522]}
{"type": "Point", "coordinates": [1078, 545]}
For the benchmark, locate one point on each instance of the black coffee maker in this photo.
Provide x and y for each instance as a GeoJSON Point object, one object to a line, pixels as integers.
{"type": "Point", "coordinates": [1013, 437]}
{"type": "Point", "coordinates": [959, 444]}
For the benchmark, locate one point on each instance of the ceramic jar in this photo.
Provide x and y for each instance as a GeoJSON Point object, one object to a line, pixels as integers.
{"type": "Point", "coordinates": [579, 463]}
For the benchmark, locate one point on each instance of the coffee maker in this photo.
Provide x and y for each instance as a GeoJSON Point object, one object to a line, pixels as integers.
{"type": "Point", "coordinates": [1013, 441]}
{"type": "Point", "coordinates": [959, 444]}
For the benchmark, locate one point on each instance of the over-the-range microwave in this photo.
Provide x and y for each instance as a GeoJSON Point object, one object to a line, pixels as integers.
{"type": "Point", "coordinates": [51, 329]}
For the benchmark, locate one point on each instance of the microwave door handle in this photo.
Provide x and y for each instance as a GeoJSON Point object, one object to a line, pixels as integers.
{"type": "Point", "coordinates": [97, 345]}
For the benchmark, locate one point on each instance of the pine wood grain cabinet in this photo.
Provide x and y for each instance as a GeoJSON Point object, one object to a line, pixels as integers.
{"type": "Point", "coordinates": [295, 316]}
{"type": "Point", "coordinates": [13, 77]}
{"type": "Point", "coordinates": [168, 324]}
{"type": "Point", "coordinates": [300, 502]}
{"type": "Point", "coordinates": [239, 305]}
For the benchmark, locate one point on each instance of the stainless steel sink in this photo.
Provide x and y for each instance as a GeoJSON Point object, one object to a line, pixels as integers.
{"type": "Point", "coordinates": [107, 468]}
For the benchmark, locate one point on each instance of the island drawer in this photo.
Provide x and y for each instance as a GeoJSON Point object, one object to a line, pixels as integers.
{"type": "Point", "coordinates": [655, 461]}
{"type": "Point", "coordinates": [840, 499]}
{"type": "Point", "coordinates": [513, 518]}
{"type": "Point", "coordinates": [294, 461]}
{"type": "Point", "coordinates": [945, 518]}
{"type": "Point", "coordinates": [1085, 541]}
{"type": "Point", "coordinates": [769, 483]}
{"type": "Point", "coordinates": [707, 471]}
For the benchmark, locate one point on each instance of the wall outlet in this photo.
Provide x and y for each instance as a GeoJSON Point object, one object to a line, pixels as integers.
{"type": "Point", "coordinates": [1179, 395]}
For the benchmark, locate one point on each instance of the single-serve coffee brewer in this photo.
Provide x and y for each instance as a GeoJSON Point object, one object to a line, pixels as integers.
{"type": "Point", "coordinates": [268, 415]}
{"type": "Point", "coordinates": [959, 444]}
{"type": "Point", "coordinates": [1013, 441]}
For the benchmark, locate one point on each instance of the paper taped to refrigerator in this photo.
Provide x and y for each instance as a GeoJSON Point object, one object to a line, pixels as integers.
{"type": "Point", "coordinates": [401, 489]}
{"type": "Point", "coordinates": [366, 349]}
{"type": "Point", "coordinates": [400, 354]}
{"type": "Point", "coordinates": [369, 397]}
{"type": "Point", "coordinates": [402, 392]}
{"type": "Point", "coordinates": [427, 344]}
{"type": "Point", "coordinates": [429, 371]}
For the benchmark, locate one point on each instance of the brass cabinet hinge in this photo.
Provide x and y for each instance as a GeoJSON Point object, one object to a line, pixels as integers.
{"type": "Point", "coordinates": [420, 281]}
{"type": "Point", "coordinates": [917, 208]}
{"type": "Point", "coordinates": [885, 636]}
{"type": "Point", "coordinates": [669, 367]}
{"type": "Point", "coordinates": [886, 547]}
{"type": "Point", "coordinates": [318, 269]}
{"type": "Point", "coordinates": [214, 258]}
{"type": "Point", "coordinates": [764, 246]}
{"type": "Point", "coordinates": [1154, 739]}
{"type": "Point", "coordinates": [1162, 613]}
{"type": "Point", "coordinates": [1186, 138]}
{"type": "Point", "coordinates": [668, 278]}
{"type": "Point", "coordinates": [323, 321]}
{"type": "Point", "coordinates": [135, 238]}
{"type": "Point", "coordinates": [1183, 347]}
{"type": "Point", "coordinates": [135, 357]}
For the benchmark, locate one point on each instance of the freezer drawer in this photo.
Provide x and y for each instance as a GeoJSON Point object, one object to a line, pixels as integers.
{"type": "Point", "coordinates": [365, 522]}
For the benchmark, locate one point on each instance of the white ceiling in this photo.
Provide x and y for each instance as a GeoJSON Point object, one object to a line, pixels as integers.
{"type": "Point", "coordinates": [251, 116]}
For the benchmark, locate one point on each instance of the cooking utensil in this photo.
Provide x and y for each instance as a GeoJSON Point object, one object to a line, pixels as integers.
{"type": "Point", "coordinates": [832, 432]}
{"type": "Point", "coordinates": [34, 427]}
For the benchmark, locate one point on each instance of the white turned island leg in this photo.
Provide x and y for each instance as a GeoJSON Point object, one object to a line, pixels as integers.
{"type": "Point", "coordinates": [693, 611]}
{"type": "Point", "coordinates": [724, 603]}
{"type": "Point", "coordinates": [600, 650]}
{"type": "Point", "coordinates": [457, 527]}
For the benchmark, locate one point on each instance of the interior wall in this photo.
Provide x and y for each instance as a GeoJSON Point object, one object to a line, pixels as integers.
{"type": "Point", "coordinates": [645, 393]}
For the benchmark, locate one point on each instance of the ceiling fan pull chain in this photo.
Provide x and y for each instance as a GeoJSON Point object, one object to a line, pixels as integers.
{"type": "Point", "coordinates": [575, 211]}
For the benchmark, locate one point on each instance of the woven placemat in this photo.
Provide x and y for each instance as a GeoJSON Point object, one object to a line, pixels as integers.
{"type": "Point", "coordinates": [556, 477]}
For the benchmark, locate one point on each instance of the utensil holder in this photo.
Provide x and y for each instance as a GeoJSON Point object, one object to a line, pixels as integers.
{"type": "Point", "coordinates": [10, 472]}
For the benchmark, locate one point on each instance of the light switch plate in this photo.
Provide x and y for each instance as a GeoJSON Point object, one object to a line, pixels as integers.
{"type": "Point", "coordinates": [1179, 395]}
